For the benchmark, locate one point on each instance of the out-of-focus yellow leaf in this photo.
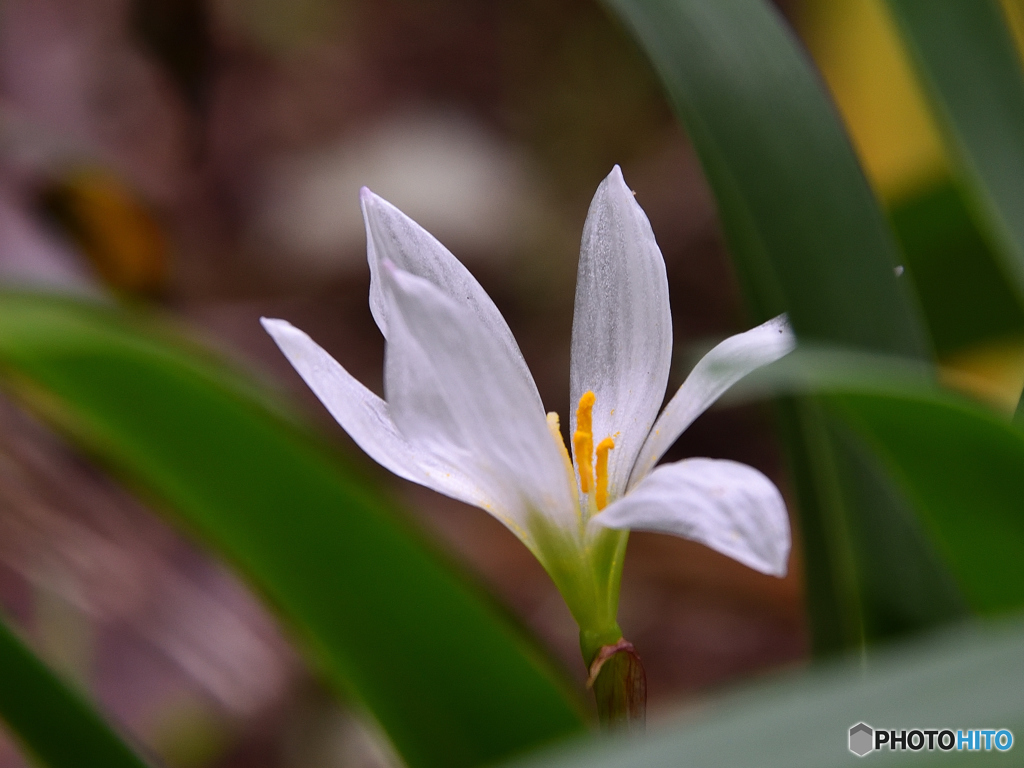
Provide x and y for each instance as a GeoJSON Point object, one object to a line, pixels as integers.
{"type": "Point", "coordinates": [1014, 10]}
{"type": "Point", "coordinates": [113, 227]}
{"type": "Point", "coordinates": [856, 48]}
{"type": "Point", "coordinates": [858, 51]}
{"type": "Point", "coordinates": [993, 373]}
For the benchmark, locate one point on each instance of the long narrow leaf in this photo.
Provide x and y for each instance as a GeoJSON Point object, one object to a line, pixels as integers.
{"type": "Point", "coordinates": [804, 229]}
{"type": "Point", "coordinates": [808, 237]}
{"type": "Point", "coordinates": [965, 295]}
{"type": "Point", "coordinates": [958, 464]}
{"type": "Point", "coordinates": [54, 723]}
{"type": "Point", "coordinates": [449, 680]}
{"type": "Point", "coordinates": [973, 75]}
{"type": "Point", "coordinates": [964, 470]}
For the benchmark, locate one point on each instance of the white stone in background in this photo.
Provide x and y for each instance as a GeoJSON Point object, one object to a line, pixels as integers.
{"type": "Point", "coordinates": [460, 180]}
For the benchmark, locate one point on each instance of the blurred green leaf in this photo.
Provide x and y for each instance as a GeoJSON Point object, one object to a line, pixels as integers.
{"type": "Point", "coordinates": [963, 468]}
{"type": "Point", "coordinates": [965, 296]}
{"type": "Point", "coordinates": [967, 678]}
{"type": "Point", "coordinates": [972, 73]}
{"type": "Point", "coordinates": [863, 545]}
{"type": "Point", "coordinates": [807, 237]}
{"type": "Point", "coordinates": [451, 682]}
{"type": "Point", "coordinates": [958, 464]}
{"type": "Point", "coordinates": [805, 231]}
{"type": "Point", "coordinates": [53, 722]}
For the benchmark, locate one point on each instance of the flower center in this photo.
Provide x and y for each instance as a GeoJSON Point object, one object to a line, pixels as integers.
{"type": "Point", "coordinates": [593, 475]}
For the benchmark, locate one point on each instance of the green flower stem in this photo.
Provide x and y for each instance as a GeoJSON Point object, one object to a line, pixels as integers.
{"type": "Point", "coordinates": [587, 569]}
{"type": "Point", "coordinates": [588, 572]}
{"type": "Point", "coordinates": [593, 640]}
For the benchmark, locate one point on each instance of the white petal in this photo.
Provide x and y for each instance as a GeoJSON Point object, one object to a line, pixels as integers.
{"type": "Point", "coordinates": [454, 390]}
{"type": "Point", "coordinates": [730, 507]}
{"type": "Point", "coordinates": [718, 370]}
{"type": "Point", "coordinates": [366, 418]}
{"type": "Point", "coordinates": [622, 326]}
{"type": "Point", "coordinates": [393, 236]}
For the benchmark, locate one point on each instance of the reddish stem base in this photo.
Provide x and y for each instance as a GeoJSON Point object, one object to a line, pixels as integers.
{"type": "Point", "coordinates": [620, 687]}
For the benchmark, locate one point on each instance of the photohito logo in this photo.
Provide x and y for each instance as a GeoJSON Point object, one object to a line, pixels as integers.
{"type": "Point", "coordinates": [864, 739]}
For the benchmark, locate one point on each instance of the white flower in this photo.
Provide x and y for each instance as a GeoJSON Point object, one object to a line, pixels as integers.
{"type": "Point", "coordinates": [462, 414]}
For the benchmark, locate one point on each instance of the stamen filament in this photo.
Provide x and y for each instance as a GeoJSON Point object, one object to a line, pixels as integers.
{"type": "Point", "coordinates": [601, 491]}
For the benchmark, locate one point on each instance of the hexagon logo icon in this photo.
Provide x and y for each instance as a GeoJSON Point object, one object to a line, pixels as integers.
{"type": "Point", "coordinates": [861, 739]}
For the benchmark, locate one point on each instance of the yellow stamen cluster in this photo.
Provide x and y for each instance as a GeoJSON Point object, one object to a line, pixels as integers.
{"type": "Point", "coordinates": [583, 446]}
{"type": "Point", "coordinates": [583, 440]}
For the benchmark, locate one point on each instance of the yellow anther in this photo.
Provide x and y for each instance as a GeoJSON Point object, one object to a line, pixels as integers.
{"type": "Point", "coordinates": [583, 441]}
{"type": "Point", "coordinates": [584, 413]}
{"type": "Point", "coordinates": [583, 445]}
{"type": "Point", "coordinates": [601, 491]}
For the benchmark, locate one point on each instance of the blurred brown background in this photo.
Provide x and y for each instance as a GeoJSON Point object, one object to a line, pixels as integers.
{"type": "Point", "coordinates": [204, 158]}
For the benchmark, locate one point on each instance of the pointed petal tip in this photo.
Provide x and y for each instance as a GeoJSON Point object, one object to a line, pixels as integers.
{"type": "Point", "coordinates": [616, 177]}
{"type": "Point", "coordinates": [281, 330]}
{"type": "Point", "coordinates": [372, 205]}
{"type": "Point", "coordinates": [778, 569]}
{"type": "Point", "coordinates": [379, 215]}
{"type": "Point", "coordinates": [271, 324]}
{"type": "Point", "coordinates": [786, 339]}
{"type": "Point", "coordinates": [615, 187]}
{"type": "Point", "coordinates": [780, 323]}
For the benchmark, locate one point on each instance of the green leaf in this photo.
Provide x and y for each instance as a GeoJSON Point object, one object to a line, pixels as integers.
{"type": "Point", "coordinates": [872, 572]}
{"type": "Point", "coordinates": [969, 678]}
{"type": "Point", "coordinates": [876, 555]}
{"type": "Point", "coordinates": [963, 468]}
{"type": "Point", "coordinates": [53, 722]}
{"type": "Point", "coordinates": [448, 678]}
{"type": "Point", "coordinates": [969, 65]}
{"type": "Point", "coordinates": [965, 296]}
{"type": "Point", "coordinates": [958, 464]}
{"type": "Point", "coordinates": [804, 229]}
{"type": "Point", "coordinates": [807, 237]}
{"type": "Point", "coordinates": [902, 599]}
{"type": "Point", "coordinates": [972, 72]}
{"type": "Point", "coordinates": [834, 606]}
